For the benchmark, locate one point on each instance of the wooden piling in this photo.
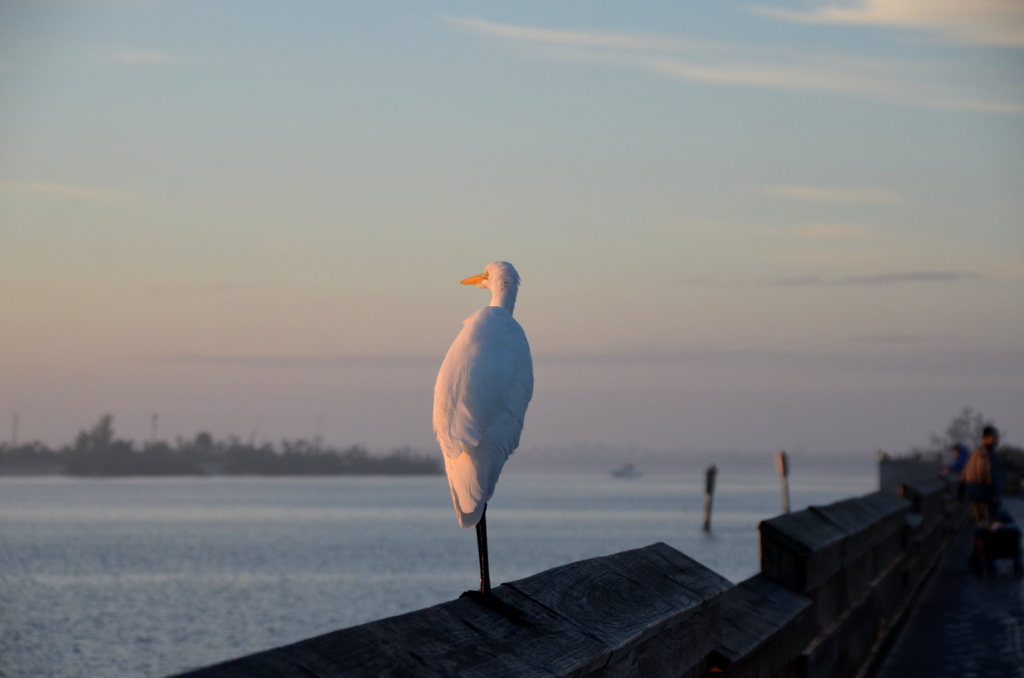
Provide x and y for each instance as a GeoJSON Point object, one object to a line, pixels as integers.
{"type": "Point", "coordinates": [782, 465]}
{"type": "Point", "coordinates": [709, 494]}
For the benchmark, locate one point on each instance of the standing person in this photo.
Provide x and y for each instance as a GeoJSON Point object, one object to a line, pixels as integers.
{"type": "Point", "coordinates": [983, 475]}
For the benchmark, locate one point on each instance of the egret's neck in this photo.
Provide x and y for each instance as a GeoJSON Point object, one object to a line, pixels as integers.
{"type": "Point", "coordinates": [506, 297]}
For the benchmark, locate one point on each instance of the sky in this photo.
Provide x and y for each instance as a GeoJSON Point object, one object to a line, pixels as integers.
{"type": "Point", "coordinates": [742, 226]}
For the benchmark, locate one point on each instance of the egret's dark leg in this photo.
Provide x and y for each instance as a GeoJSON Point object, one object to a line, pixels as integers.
{"type": "Point", "coordinates": [481, 545]}
{"type": "Point", "coordinates": [484, 595]}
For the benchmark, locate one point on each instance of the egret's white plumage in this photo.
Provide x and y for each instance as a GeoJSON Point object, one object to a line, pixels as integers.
{"type": "Point", "coordinates": [481, 395]}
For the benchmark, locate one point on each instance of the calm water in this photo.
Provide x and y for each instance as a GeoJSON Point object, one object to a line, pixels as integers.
{"type": "Point", "coordinates": [144, 577]}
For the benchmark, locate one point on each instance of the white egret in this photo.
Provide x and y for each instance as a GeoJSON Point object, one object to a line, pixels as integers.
{"type": "Point", "coordinates": [480, 399]}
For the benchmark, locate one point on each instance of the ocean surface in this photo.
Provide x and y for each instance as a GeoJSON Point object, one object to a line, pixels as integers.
{"type": "Point", "coordinates": [147, 577]}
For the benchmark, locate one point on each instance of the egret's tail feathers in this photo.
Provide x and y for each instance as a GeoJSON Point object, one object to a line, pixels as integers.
{"type": "Point", "coordinates": [467, 520]}
{"type": "Point", "coordinates": [472, 477]}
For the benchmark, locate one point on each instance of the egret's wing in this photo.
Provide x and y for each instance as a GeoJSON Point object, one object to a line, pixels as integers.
{"type": "Point", "coordinates": [507, 423]}
{"type": "Point", "coordinates": [484, 385]}
{"type": "Point", "coordinates": [454, 424]}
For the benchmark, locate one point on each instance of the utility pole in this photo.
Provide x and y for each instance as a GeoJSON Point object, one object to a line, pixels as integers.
{"type": "Point", "coordinates": [255, 431]}
{"type": "Point", "coordinates": [317, 441]}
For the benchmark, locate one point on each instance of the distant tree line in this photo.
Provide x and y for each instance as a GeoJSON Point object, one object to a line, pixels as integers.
{"type": "Point", "coordinates": [965, 429]}
{"type": "Point", "coordinates": [98, 452]}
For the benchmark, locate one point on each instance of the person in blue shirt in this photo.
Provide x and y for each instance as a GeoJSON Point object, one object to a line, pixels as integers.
{"type": "Point", "coordinates": [957, 467]}
{"type": "Point", "coordinates": [962, 455]}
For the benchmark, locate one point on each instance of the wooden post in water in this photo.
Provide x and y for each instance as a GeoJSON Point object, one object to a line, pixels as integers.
{"type": "Point", "coordinates": [782, 465]}
{"type": "Point", "coordinates": [709, 493]}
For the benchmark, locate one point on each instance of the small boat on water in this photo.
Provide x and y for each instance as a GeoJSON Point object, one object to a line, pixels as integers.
{"type": "Point", "coordinates": [627, 471]}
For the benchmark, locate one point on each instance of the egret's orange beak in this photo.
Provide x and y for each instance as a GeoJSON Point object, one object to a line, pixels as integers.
{"type": "Point", "coordinates": [475, 280]}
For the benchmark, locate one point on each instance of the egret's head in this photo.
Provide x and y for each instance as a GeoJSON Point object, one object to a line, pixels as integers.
{"type": "Point", "coordinates": [501, 279]}
{"type": "Point", "coordinates": [498, 276]}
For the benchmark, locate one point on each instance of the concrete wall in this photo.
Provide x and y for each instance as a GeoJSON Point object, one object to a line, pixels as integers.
{"type": "Point", "coordinates": [855, 566]}
{"type": "Point", "coordinates": [835, 581]}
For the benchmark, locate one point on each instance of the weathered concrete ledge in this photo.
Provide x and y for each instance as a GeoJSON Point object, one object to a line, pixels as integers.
{"type": "Point", "coordinates": [765, 626]}
{"type": "Point", "coordinates": [835, 583]}
{"type": "Point", "coordinates": [861, 562]}
{"type": "Point", "coordinates": [652, 611]}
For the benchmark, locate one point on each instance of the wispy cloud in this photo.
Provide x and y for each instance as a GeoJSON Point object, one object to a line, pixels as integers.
{"type": "Point", "coordinates": [980, 22]}
{"type": "Point", "coordinates": [547, 36]}
{"type": "Point", "coordinates": [891, 339]}
{"type": "Point", "coordinates": [700, 355]}
{"type": "Point", "coordinates": [909, 277]}
{"type": "Point", "coordinates": [800, 234]}
{"type": "Point", "coordinates": [199, 289]}
{"type": "Point", "coordinates": [834, 194]}
{"type": "Point", "coordinates": [833, 232]}
{"type": "Point", "coordinates": [72, 192]}
{"type": "Point", "coordinates": [893, 353]}
{"type": "Point", "coordinates": [876, 280]}
{"type": "Point", "coordinates": [133, 57]}
{"type": "Point", "coordinates": [978, 105]}
{"type": "Point", "coordinates": [295, 362]}
{"type": "Point", "coordinates": [732, 64]}
{"type": "Point", "coordinates": [96, 4]}
{"type": "Point", "coordinates": [885, 353]}
{"type": "Point", "coordinates": [823, 254]}
{"type": "Point", "coordinates": [377, 361]}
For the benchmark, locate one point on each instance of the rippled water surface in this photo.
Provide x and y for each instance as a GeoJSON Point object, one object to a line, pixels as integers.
{"type": "Point", "coordinates": [145, 577]}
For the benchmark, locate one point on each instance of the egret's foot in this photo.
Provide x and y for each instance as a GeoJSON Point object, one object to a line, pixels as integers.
{"type": "Point", "coordinates": [513, 614]}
